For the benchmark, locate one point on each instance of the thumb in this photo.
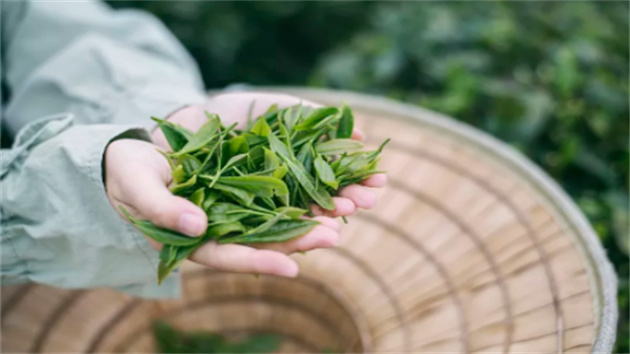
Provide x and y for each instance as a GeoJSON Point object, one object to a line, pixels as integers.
{"type": "Point", "coordinates": [154, 201]}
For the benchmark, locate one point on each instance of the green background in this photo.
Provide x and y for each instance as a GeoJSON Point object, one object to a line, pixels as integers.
{"type": "Point", "coordinates": [549, 78]}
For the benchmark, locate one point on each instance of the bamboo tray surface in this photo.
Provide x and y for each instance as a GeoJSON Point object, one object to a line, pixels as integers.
{"type": "Point", "coordinates": [472, 249]}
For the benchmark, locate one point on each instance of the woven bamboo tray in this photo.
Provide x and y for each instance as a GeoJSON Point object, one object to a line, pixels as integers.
{"type": "Point", "coordinates": [471, 249]}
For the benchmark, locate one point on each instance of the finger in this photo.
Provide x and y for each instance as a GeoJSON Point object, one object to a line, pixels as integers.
{"type": "Point", "coordinates": [152, 199]}
{"type": "Point", "coordinates": [375, 181]}
{"type": "Point", "coordinates": [357, 134]}
{"type": "Point", "coordinates": [343, 207]}
{"type": "Point", "coordinates": [361, 196]}
{"type": "Point", "coordinates": [328, 222]}
{"type": "Point", "coordinates": [320, 237]}
{"type": "Point", "coordinates": [235, 107]}
{"type": "Point", "coordinates": [243, 259]}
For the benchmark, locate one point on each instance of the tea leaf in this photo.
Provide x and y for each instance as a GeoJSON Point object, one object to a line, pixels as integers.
{"type": "Point", "coordinates": [279, 147]}
{"type": "Point", "coordinates": [301, 175]}
{"type": "Point", "coordinates": [320, 196]}
{"type": "Point", "coordinates": [198, 196]}
{"type": "Point", "coordinates": [240, 196]}
{"type": "Point", "coordinates": [185, 186]}
{"type": "Point", "coordinates": [267, 224]}
{"type": "Point", "coordinates": [338, 146]}
{"type": "Point", "coordinates": [211, 197]}
{"type": "Point", "coordinates": [236, 160]}
{"type": "Point", "coordinates": [217, 230]}
{"type": "Point", "coordinates": [178, 174]}
{"type": "Point", "coordinates": [205, 134]}
{"type": "Point", "coordinates": [226, 212]}
{"type": "Point", "coordinates": [281, 171]}
{"type": "Point", "coordinates": [346, 123]}
{"type": "Point", "coordinates": [271, 160]}
{"type": "Point", "coordinates": [175, 135]}
{"type": "Point", "coordinates": [238, 145]}
{"type": "Point", "coordinates": [325, 173]}
{"type": "Point", "coordinates": [316, 117]}
{"type": "Point", "coordinates": [292, 116]}
{"type": "Point", "coordinates": [190, 164]}
{"type": "Point", "coordinates": [305, 157]}
{"type": "Point", "coordinates": [160, 234]}
{"type": "Point", "coordinates": [378, 151]}
{"type": "Point", "coordinates": [292, 212]}
{"type": "Point", "coordinates": [261, 127]}
{"type": "Point", "coordinates": [282, 231]}
{"type": "Point", "coordinates": [262, 186]}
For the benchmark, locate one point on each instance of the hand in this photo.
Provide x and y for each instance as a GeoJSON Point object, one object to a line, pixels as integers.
{"type": "Point", "coordinates": [137, 177]}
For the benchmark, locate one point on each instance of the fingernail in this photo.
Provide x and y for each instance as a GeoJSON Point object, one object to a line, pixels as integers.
{"type": "Point", "coordinates": [191, 224]}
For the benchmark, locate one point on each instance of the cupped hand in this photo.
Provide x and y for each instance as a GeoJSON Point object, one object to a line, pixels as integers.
{"type": "Point", "coordinates": [137, 177]}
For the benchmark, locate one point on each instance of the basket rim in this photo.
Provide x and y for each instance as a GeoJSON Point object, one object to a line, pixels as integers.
{"type": "Point", "coordinates": [601, 272]}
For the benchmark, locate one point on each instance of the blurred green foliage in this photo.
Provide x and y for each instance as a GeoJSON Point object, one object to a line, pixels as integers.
{"type": "Point", "coordinates": [169, 339]}
{"type": "Point", "coordinates": [550, 78]}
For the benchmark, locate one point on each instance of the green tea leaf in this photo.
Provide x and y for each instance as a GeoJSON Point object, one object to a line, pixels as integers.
{"type": "Point", "coordinates": [208, 132]}
{"type": "Point", "coordinates": [176, 135]}
{"type": "Point", "coordinates": [178, 255]}
{"type": "Point", "coordinates": [261, 127]}
{"type": "Point", "coordinates": [279, 147]}
{"type": "Point", "coordinates": [292, 212]}
{"type": "Point", "coordinates": [198, 196]}
{"type": "Point", "coordinates": [168, 253]}
{"type": "Point", "coordinates": [240, 196]}
{"type": "Point", "coordinates": [211, 197]}
{"type": "Point", "coordinates": [320, 196]}
{"type": "Point", "coordinates": [301, 175]}
{"type": "Point", "coordinates": [160, 234]}
{"type": "Point", "coordinates": [284, 133]}
{"type": "Point", "coordinates": [235, 160]}
{"type": "Point", "coordinates": [237, 145]}
{"type": "Point", "coordinates": [262, 186]}
{"type": "Point", "coordinates": [178, 174]}
{"type": "Point", "coordinates": [173, 341]}
{"type": "Point", "coordinates": [346, 123]}
{"type": "Point", "coordinates": [325, 173]}
{"type": "Point", "coordinates": [372, 156]}
{"type": "Point", "coordinates": [271, 160]}
{"type": "Point", "coordinates": [291, 116]}
{"type": "Point", "coordinates": [217, 230]}
{"type": "Point", "coordinates": [281, 171]}
{"type": "Point", "coordinates": [222, 212]}
{"type": "Point", "coordinates": [165, 268]}
{"type": "Point", "coordinates": [254, 140]}
{"type": "Point", "coordinates": [190, 164]}
{"type": "Point", "coordinates": [282, 231]}
{"type": "Point", "coordinates": [267, 224]}
{"type": "Point", "coordinates": [186, 186]}
{"type": "Point", "coordinates": [338, 146]}
{"type": "Point", "coordinates": [316, 118]}
{"type": "Point", "coordinates": [305, 157]}
{"type": "Point", "coordinates": [255, 157]}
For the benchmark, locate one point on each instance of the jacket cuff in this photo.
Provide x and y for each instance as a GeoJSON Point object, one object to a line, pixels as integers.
{"type": "Point", "coordinates": [57, 221]}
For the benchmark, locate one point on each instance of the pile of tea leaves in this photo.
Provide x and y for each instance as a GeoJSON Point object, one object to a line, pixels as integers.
{"type": "Point", "coordinates": [171, 340]}
{"type": "Point", "coordinates": [256, 184]}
